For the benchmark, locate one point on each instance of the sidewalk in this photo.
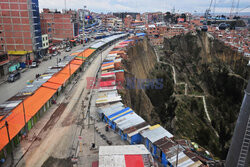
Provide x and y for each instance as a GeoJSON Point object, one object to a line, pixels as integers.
{"type": "Point", "coordinates": [3, 80]}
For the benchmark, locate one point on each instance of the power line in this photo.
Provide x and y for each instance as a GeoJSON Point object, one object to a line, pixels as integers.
{"type": "Point", "coordinates": [237, 7]}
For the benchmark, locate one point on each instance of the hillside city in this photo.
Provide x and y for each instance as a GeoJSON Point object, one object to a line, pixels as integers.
{"type": "Point", "coordinates": [126, 89]}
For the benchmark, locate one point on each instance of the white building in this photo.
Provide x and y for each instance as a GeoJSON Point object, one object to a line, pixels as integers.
{"type": "Point", "coordinates": [45, 41]}
{"type": "Point", "coordinates": [124, 155]}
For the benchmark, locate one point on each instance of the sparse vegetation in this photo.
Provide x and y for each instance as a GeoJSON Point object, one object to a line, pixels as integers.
{"type": "Point", "coordinates": [209, 68]}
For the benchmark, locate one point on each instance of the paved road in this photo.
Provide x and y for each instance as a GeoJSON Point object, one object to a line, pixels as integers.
{"type": "Point", "coordinates": [7, 90]}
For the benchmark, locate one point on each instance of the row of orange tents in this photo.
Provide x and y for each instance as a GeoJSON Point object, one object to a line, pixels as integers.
{"type": "Point", "coordinates": [32, 104]}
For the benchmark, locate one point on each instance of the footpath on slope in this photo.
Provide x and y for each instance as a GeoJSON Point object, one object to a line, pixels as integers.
{"type": "Point", "coordinates": [186, 94]}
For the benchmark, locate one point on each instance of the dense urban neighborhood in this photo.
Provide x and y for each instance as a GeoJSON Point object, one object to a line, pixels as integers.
{"type": "Point", "coordinates": [123, 89]}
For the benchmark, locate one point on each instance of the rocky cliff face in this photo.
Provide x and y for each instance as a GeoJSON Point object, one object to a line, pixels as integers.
{"type": "Point", "coordinates": [208, 68]}
{"type": "Point", "coordinates": [140, 62]}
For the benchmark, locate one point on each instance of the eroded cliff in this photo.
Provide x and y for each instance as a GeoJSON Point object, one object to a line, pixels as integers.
{"type": "Point", "coordinates": [192, 68]}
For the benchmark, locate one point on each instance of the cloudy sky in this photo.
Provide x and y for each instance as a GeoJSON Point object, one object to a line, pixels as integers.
{"type": "Point", "coordinates": [144, 5]}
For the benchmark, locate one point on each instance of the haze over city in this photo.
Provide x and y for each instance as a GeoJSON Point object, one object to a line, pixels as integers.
{"type": "Point", "coordinates": [192, 6]}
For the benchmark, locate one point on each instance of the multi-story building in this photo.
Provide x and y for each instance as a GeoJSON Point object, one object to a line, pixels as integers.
{"type": "Point", "coordinates": [45, 42]}
{"type": "Point", "coordinates": [59, 26]}
{"type": "Point", "coordinates": [20, 29]}
{"type": "Point", "coordinates": [119, 25]}
{"type": "Point", "coordinates": [109, 21]}
{"type": "Point", "coordinates": [127, 21]}
{"type": "Point", "coordinates": [138, 17]}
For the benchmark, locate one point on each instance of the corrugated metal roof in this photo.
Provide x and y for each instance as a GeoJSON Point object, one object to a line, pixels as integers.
{"type": "Point", "coordinates": [111, 110]}
{"type": "Point", "coordinates": [156, 134]}
{"type": "Point", "coordinates": [8, 106]}
{"type": "Point", "coordinates": [104, 89]}
{"type": "Point", "coordinates": [183, 160]}
{"type": "Point", "coordinates": [138, 130]}
{"type": "Point", "coordinates": [123, 150]}
{"type": "Point", "coordinates": [119, 114]}
{"type": "Point", "coordinates": [98, 44]}
{"type": "Point", "coordinates": [128, 121]}
{"type": "Point", "coordinates": [108, 96]}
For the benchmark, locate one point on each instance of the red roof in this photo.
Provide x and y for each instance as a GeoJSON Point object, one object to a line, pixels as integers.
{"type": "Point", "coordinates": [95, 164]}
{"type": "Point", "coordinates": [109, 73]}
{"type": "Point", "coordinates": [134, 161]}
{"type": "Point", "coordinates": [107, 83]}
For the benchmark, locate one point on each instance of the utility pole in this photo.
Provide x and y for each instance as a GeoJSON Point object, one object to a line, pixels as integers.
{"type": "Point", "coordinates": [94, 131]}
{"type": "Point", "coordinates": [12, 155]}
{"type": "Point", "coordinates": [24, 115]}
{"type": "Point", "coordinates": [176, 162]}
{"type": "Point", "coordinates": [101, 57]}
{"type": "Point", "coordinates": [69, 71]}
{"type": "Point", "coordinates": [88, 117]}
{"type": "Point", "coordinates": [65, 5]}
{"type": "Point", "coordinates": [83, 26]}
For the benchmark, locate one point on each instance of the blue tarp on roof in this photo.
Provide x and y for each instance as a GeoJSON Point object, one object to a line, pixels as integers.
{"type": "Point", "coordinates": [128, 40]}
{"type": "Point", "coordinates": [119, 112]}
{"type": "Point", "coordinates": [140, 34]}
{"type": "Point", "coordinates": [108, 62]}
{"type": "Point", "coordinates": [123, 115]}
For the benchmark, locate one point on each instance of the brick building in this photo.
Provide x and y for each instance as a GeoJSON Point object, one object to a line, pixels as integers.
{"type": "Point", "coordinates": [59, 26]}
{"type": "Point", "coordinates": [127, 21]}
{"type": "Point", "coordinates": [20, 29]}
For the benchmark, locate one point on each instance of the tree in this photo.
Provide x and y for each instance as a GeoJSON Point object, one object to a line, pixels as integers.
{"type": "Point", "coordinates": [183, 15]}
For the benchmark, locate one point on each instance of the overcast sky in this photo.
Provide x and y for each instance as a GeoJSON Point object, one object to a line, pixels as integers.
{"type": "Point", "coordinates": [144, 5]}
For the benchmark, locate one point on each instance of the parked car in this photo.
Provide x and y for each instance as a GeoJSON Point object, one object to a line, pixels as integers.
{"type": "Point", "coordinates": [34, 64]}
{"type": "Point", "coordinates": [222, 26]}
{"type": "Point", "coordinates": [14, 76]}
{"type": "Point", "coordinates": [68, 49]}
{"type": "Point", "coordinates": [56, 53]}
{"type": "Point", "coordinates": [204, 28]}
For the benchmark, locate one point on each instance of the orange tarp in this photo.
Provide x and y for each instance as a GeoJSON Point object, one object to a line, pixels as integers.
{"type": "Point", "coordinates": [69, 69]}
{"type": "Point", "coordinates": [62, 76]}
{"type": "Point", "coordinates": [79, 62]}
{"type": "Point", "coordinates": [16, 119]}
{"type": "Point", "coordinates": [59, 78]}
{"type": "Point", "coordinates": [106, 68]}
{"type": "Point", "coordinates": [51, 85]}
{"type": "Point", "coordinates": [16, 123]}
{"type": "Point", "coordinates": [86, 53]}
{"type": "Point", "coordinates": [34, 103]}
